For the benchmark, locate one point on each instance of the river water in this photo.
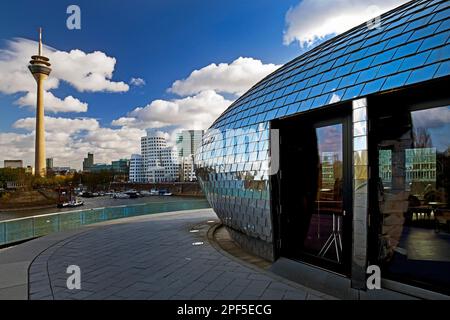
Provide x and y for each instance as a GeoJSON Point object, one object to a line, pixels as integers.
{"type": "Point", "coordinates": [98, 202]}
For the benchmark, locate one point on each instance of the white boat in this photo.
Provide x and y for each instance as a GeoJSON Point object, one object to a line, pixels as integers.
{"type": "Point", "coordinates": [71, 204]}
{"type": "Point", "coordinates": [154, 192]}
{"type": "Point", "coordinates": [120, 196]}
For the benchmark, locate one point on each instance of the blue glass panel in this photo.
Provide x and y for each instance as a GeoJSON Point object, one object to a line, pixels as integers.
{"type": "Point", "coordinates": [393, 32]}
{"type": "Point", "coordinates": [383, 57]}
{"type": "Point", "coordinates": [326, 66]}
{"type": "Point", "coordinates": [398, 40]}
{"type": "Point", "coordinates": [328, 75]}
{"type": "Point", "coordinates": [422, 74]}
{"type": "Point", "coordinates": [443, 70]}
{"type": "Point", "coordinates": [299, 85]}
{"type": "Point", "coordinates": [314, 80]}
{"type": "Point", "coordinates": [348, 80]}
{"type": "Point", "coordinates": [290, 98]}
{"type": "Point", "coordinates": [362, 64]}
{"type": "Point", "coordinates": [376, 48]}
{"type": "Point", "coordinates": [293, 108]}
{"type": "Point", "coordinates": [282, 111]}
{"type": "Point", "coordinates": [340, 61]}
{"type": "Point", "coordinates": [415, 61]}
{"type": "Point", "coordinates": [302, 95]}
{"type": "Point", "coordinates": [331, 85]}
{"type": "Point", "coordinates": [335, 96]}
{"type": "Point", "coordinates": [441, 15]}
{"type": "Point", "coordinates": [445, 25]}
{"type": "Point", "coordinates": [320, 101]}
{"type": "Point", "coordinates": [389, 68]}
{"type": "Point", "coordinates": [418, 23]}
{"type": "Point", "coordinates": [353, 47]}
{"type": "Point", "coordinates": [352, 92]}
{"type": "Point", "coordinates": [367, 75]}
{"type": "Point", "coordinates": [408, 49]}
{"type": "Point", "coordinates": [434, 41]}
{"type": "Point", "coordinates": [357, 55]}
{"type": "Point", "coordinates": [315, 91]}
{"type": "Point", "coordinates": [343, 70]}
{"type": "Point", "coordinates": [420, 33]}
{"type": "Point", "coordinates": [372, 86]}
{"type": "Point", "coordinates": [306, 104]}
{"type": "Point", "coordinates": [439, 54]}
{"type": "Point", "coordinates": [372, 40]}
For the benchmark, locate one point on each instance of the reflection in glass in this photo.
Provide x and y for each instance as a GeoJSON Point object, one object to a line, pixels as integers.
{"type": "Point", "coordinates": [324, 238]}
{"type": "Point", "coordinates": [414, 183]}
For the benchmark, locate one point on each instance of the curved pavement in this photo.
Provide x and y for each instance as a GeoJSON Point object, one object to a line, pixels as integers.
{"type": "Point", "coordinates": [153, 257]}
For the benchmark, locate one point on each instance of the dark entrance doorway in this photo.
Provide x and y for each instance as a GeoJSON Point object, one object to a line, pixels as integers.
{"type": "Point", "coordinates": [312, 190]}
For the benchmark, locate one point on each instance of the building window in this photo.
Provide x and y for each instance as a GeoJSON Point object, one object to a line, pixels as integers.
{"type": "Point", "coordinates": [413, 196]}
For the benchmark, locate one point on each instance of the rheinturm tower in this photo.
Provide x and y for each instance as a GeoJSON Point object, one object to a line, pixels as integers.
{"type": "Point", "coordinates": [40, 68]}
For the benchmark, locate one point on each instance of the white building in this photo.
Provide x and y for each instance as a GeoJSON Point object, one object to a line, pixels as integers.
{"type": "Point", "coordinates": [136, 168]}
{"type": "Point", "coordinates": [157, 162]}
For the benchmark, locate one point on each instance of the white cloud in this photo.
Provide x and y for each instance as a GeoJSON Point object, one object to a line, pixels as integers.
{"type": "Point", "coordinates": [312, 20]}
{"type": "Point", "coordinates": [193, 112]}
{"type": "Point", "coordinates": [69, 140]}
{"type": "Point", "coordinates": [138, 82]}
{"type": "Point", "coordinates": [84, 71]}
{"type": "Point", "coordinates": [432, 118]}
{"type": "Point", "coordinates": [235, 78]}
{"type": "Point", "coordinates": [54, 104]}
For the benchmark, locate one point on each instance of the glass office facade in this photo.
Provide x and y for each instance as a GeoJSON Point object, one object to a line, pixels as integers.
{"type": "Point", "coordinates": [235, 163]}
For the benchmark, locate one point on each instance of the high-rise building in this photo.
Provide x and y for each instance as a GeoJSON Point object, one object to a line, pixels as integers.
{"type": "Point", "coordinates": [136, 169]}
{"type": "Point", "coordinates": [158, 161]}
{"type": "Point", "coordinates": [49, 163]}
{"type": "Point", "coordinates": [188, 141]}
{"type": "Point", "coordinates": [13, 164]}
{"type": "Point", "coordinates": [88, 162]}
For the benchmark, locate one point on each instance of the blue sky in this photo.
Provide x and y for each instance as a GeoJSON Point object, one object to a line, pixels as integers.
{"type": "Point", "coordinates": [159, 41]}
{"type": "Point", "coordinates": [91, 110]}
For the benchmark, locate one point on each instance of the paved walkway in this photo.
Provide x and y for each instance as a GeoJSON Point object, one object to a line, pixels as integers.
{"type": "Point", "coordinates": [153, 257]}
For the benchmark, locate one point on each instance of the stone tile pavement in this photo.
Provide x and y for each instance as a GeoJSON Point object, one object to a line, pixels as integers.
{"type": "Point", "coordinates": [153, 257]}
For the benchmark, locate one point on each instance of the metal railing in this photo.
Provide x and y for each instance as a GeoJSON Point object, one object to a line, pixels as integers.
{"type": "Point", "coordinates": [16, 230]}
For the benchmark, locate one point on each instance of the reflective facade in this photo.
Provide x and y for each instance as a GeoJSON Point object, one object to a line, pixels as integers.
{"type": "Point", "coordinates": [411, 45]}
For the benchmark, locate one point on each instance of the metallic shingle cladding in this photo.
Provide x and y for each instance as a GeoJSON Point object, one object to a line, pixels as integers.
{"type": "Point", "coordinates": [411, 44]}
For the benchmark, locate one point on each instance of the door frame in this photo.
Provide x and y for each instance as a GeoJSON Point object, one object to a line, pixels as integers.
{"type": "Point", "coordinates": [317, 119]}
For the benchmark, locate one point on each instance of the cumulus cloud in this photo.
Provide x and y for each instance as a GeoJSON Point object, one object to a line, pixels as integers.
{"type": "Point", "coordinates": [69, 140]}
{"type": "Point", "coordinates": [84, 71]}
{"type": "Point", "coordinates": [52, 103]}
{"type": "Point", "coordinates": [235, 78]}
{"type": "Point", "coordinates": [313, 20]}
{"type": "Point", "coordinates": [138, 82]}
{"type": "Point", "coordinates": [193, 112]}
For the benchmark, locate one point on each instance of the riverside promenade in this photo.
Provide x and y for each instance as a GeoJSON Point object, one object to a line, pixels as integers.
{"type": "Point", "coordinates": [158, 256]}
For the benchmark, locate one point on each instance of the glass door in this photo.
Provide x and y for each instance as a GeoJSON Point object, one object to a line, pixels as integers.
{"type": "Point", "coordinates": [315, 191]}
{"type": "Point", "coordinates": [325, 233]}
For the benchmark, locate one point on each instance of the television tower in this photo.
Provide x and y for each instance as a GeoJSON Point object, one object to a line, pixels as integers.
{"type": "Point", "coordinates": [40, 68]}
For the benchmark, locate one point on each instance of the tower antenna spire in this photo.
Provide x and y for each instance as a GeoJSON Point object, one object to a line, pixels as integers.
{"type": "Point", "coordinates": [40, 42]}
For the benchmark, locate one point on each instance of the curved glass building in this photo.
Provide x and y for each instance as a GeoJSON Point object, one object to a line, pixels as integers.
{"type": "Point", "coordinates": [340, 159]}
